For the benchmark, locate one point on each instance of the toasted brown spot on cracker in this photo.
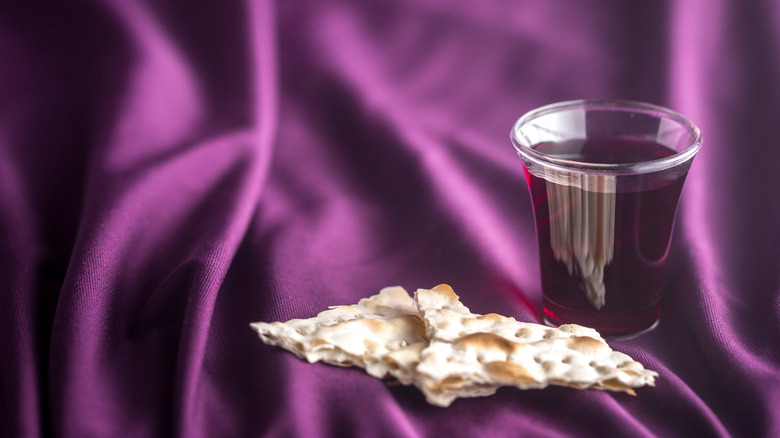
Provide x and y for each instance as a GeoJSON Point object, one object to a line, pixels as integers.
{"type": "Point", "coordinates": [487, 341]}
{"type": "Point", "coordinates": [585, 344]}
{"type": "Point", "coordinates": [452, 382]}
{"type": "Point", "coordinates": [509, 372]}
{"type": "Point", "coordinates": [444, 288]}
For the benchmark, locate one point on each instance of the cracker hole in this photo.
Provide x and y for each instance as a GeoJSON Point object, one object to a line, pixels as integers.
{"type": "Point", "coordinates": [537, 360]}
{"type": "Point", "coordinates": [592, 364]}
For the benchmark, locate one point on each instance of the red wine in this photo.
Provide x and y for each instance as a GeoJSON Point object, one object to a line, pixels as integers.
{"type": "Point", "coordinates": [604, 240]}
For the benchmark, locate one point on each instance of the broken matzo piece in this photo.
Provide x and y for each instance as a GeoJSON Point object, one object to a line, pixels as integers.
{"type": "Point", "coordinates": [471, 355]}
{"type": "Point", "coordinates": [383, 334]}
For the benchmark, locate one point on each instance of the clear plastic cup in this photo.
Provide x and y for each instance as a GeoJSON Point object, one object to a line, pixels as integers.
{"type": "Point", "coordinates": [605, 179]}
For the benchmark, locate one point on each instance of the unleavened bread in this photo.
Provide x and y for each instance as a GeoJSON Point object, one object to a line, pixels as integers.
{"type": "Point", "coordinates": [436, 343]}
{"type": "Point", "coordinates": [472, 355]}
{"type": "Point", "coordinates": [382, 333]}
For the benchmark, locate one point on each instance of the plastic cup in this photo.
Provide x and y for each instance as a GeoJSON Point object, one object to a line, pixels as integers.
{"type": "Point", "coordinates": [605, 179]}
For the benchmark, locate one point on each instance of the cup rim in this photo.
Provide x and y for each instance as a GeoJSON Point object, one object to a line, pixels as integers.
{"type": "Point", "coordinates": [524, 146]}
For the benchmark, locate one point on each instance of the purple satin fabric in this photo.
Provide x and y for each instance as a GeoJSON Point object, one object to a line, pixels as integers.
{"type": "Point", "coordinates": [172, 171]}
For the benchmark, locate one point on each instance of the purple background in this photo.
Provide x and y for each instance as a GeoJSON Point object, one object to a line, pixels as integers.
{"type": "Point", "coordinates": [171, 171]}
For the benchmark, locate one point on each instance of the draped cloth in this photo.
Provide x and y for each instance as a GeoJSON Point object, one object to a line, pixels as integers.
{"type": "Point", "coordinates": [172, 171]}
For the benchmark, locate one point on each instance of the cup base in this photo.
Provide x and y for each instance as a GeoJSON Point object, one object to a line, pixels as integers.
{"type": "Point", "coordinates": [621, 325]}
